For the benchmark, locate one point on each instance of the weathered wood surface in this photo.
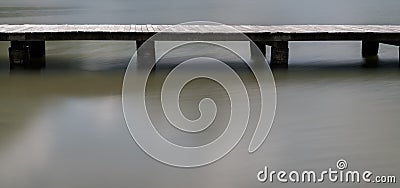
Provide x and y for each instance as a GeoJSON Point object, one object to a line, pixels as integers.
{"type": "Point", "coordinates": [255, 32]}
{"type": "Point", "coordinates": [28, 28]}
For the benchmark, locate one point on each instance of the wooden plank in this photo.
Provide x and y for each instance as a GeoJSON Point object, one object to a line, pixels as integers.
{"type": "Point", "coordinates": [143, 29]}
{"type": "Point", "coordinates": [202, 28]}
{"type": "Point", "coordinates": [31, 28]}
{"type": "Point", "coordinates": [149, 28]}
{"type": "Point", "coordinates": [194, 28]}
{"type": "Point", "coordinates": [164, 28]}
{"type": "Point", "coordinates": [256, 32]}
{"type": "Point", "coordinates": [156, 28]}
{"type": "Point", "coordinates": [197, 28]}
{"type": "Point", "coordinates": [139, 28]}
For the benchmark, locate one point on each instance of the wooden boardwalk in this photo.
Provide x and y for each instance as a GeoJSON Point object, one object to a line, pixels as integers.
{"type": "Point", "coordinates": [28, 28]}
{"type": "Point", "coordinates": [277, 36]}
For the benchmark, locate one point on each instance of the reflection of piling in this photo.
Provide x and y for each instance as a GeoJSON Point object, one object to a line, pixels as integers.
{"type": "Point", "coordinates": [27, 54]}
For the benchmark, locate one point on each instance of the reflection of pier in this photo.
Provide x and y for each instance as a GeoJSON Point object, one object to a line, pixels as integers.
{"type": "Point", "coordinates": [28, 46]}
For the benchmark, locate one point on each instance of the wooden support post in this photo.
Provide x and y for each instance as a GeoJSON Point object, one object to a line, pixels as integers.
{"type": "Point", "coordinates": [254, 47]}
{"type": "Point", "coordinates": [37, 52]}
{"type": "Point", "coordinates": [37, 48]}
{"type": "Point", "coordinates": [139, 44]}
{"type": "Point", "coordinates": [369, 48]}
{"type": "Point", "coordinates": [146, 54]}
{"type": "Point", "coordinates": [28, 54]}
{"type": "Point", "coordinates": [18, 54]}
{"type": "Point", "coordinates": [279, 54]}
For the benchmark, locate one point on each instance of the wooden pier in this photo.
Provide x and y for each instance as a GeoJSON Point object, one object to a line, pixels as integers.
{"type": "Point", "coordinates": [28, 41]}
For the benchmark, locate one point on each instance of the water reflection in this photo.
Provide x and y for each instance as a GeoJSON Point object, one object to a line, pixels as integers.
{"type": "Point", "coordinates": [66, 129]}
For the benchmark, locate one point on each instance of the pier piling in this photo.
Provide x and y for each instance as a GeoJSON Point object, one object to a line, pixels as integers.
{"type": "Point", "coordinates": [279, 54]}
{"type": "Point", "coordinates": [369, 48]}
{"type": "Point", "coordinates": [27, 54]}
{"type": "Point", "coordinates": [257, 46]}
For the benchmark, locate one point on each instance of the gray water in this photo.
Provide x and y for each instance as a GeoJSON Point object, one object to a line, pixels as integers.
{"type": "Point", "coordinates": [64, 127]}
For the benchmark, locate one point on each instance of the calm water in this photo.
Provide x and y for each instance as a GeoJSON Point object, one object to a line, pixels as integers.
{"type": "Point", "coordinates": [64, 126]}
